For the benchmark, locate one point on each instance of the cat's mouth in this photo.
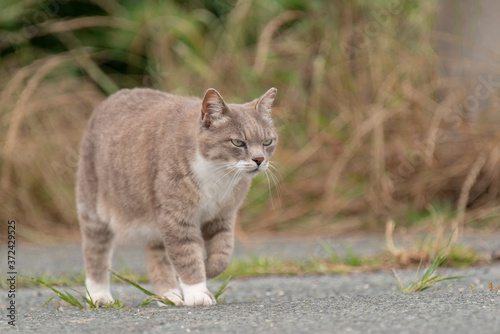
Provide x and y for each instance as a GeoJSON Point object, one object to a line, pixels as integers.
{"type": "Point", "coordinates": [248, 169]}
{"type": "Point", "coordinates": [252, 172]}
{"type": "Point", "coordinates": [257, 170]}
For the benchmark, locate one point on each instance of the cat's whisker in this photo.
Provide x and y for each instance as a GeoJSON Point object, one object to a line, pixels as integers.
{"type": "Point", "coordinates": [278, 178]}
{"type": "Point", "coordinates": [224, 170]}
{"type": "Point", "coordinates": [221, 167]}
{"type": "Point", "coordinates": [223, 176]}
{"type": "Point", "coordinates": [221, 170]}
{"type": "Point", "coordinates": [235, 176]}
{"type": "Point", "coordinates": [274, 162]}
{"type": "Point", "coordinates": [279, 192]}
{"type": "Point", "coordinates": [277, 174]}
{"type": "Point", "coordinates": [276, 185]}
{"type": "Point", "coordinates": [217, 173]}
{"type": "Point", "coordinates": [270, 192]}
{"type": "Point", "coordinates": [276, 169]}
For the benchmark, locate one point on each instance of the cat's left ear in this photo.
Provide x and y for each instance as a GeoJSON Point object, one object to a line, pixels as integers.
{"type": "Point", "coordinates": [213, 107]}
{"type": "Point", "coordinates": [265, 103]}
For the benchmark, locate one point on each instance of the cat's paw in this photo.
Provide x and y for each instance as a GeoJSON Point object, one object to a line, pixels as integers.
{"type": "Point", "coordinates": [197, 295]}
{"type": "Point", "coordinates": [99, 293]}
{"type": "Point", "coordinates": [174, 296]}
{"type": "Point", "coordinates": [216, 264]}
{"type": "Point", "coordinates": [102, 299]}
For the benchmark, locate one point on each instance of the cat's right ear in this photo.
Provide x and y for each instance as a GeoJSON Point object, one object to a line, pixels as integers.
{"type": "Point", "coordinates": [213, 107]}
{"type": "Point", "coordinates": [266, 101]}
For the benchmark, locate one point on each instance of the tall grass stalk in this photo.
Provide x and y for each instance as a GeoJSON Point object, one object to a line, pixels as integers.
{"type": "Point", "coordinates": [358, 112]}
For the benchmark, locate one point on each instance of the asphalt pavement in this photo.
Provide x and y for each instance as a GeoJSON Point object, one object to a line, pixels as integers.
{"type": "Point", "coordinates": [347, 303]}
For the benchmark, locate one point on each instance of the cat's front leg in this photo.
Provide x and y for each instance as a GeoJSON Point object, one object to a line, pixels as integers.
{"type": "Point", "coordinates": [162, 273]}
{"type": "Point", "coordinates": [185, 248]}
{"type": "Point", "coordinates": [219, 243]}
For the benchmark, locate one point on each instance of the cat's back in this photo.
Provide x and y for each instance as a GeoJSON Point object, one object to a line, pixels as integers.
{"type": "Point", "coordinates": [131, 122]}
{"type": "Point", "coordinates": [129, 127]}
{"type": "Point", "coordinates": [139, 106]}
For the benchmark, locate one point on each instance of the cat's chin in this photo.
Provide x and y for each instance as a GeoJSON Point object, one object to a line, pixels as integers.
{"type": "Point", "coordinates": [255, 172]}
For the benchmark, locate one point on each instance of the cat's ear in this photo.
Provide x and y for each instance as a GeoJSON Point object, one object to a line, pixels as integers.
{"type": "Point", "coordinates": [213, 107]}
{"type": "Point", "coordinates": [265, 103]}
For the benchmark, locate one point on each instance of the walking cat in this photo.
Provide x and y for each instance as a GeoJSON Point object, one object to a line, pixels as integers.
{"type": "Point", "coordinates": [171, 172]}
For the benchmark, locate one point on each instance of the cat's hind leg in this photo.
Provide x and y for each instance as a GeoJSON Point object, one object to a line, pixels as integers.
{"type": "Point", "coordinates": [162, 273]}
{"type": "Point", "coordinates": [97, 239]}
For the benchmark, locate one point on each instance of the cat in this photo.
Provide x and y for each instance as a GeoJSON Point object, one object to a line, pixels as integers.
{"type": "Point", "coordinates": [171, 172]}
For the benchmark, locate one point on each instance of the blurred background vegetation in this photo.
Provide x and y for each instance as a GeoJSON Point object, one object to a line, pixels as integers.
{"type": "Point", "coordinates": [371, 128]}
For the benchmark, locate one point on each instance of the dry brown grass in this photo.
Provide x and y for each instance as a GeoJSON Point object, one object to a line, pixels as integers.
{"type": "Point", "coordinates": [358, 121]}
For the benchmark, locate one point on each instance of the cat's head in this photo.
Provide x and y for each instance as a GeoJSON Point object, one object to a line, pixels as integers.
{"type": "Point", "coordinates": [241, 136]}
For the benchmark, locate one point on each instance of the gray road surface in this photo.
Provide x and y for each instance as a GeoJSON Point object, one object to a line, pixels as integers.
{"type": "Point", "coordinates": [355, 303]}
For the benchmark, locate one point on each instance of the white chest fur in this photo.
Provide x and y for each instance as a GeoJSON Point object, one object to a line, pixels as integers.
{"type": "Point", "coordinates": [217, 182]}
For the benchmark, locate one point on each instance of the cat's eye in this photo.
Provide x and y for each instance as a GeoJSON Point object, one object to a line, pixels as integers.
{"type": "Point", "coordinates": [237, 142]}
{"type": "Point", "coordinates": [267, 142]}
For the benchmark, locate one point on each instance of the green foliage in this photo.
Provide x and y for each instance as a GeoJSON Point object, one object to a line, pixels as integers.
{"type": "Point", "coordinates": [65, 296]}
{"type": "Point", "coordinates": [429, 278]}
{"type": "Point", "coordinates": [353, 259]}
{"type": "Point", "coordinates": [74, 279]}
{"type": "Point", "coordinates": [72, 300]}
{"type": "Point", "coordinates": [222, 289]}
{"type": "Point", "coordinates": [339, 89]}
{"type": "Point", "coordinates": [256, 265]}
{"type": "Point", "coordinates": [462, 257]}
{"type": "Point", "coordinates": [330, 251]}
{"type": "Point", "coordinates": [151, 296]}
{"type": "Point", "coordinates": [86, 299]}
{"type": "Point", "coordinates": [434, 211]}
{"type": "Point", "coordinates": [60, 280]}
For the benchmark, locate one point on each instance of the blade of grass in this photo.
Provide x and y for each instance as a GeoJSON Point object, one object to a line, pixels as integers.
{"type": "Point", "coordinates": [72, 298]}
{"type": "Point", "coordinates": [48, 301]}
{"type": "Point", "coordinates": [152, 296]}
{"type": "Point", "coordinates": [66, 296]}
{"type": "Point", "coordinates": [222, 289]}
{"type": "Point", "coordinates": [332, 255]}
{"type": "Point", "coordinates": [88, 299]}
{"type": "Point", "coordinates": [147, 292]}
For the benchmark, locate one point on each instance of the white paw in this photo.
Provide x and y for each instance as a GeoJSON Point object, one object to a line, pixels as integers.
{"type": "Point", "coordinates": [103, 299]}
{"type": "Point", "coordinates": [197, 295]}
{"type": "Point", "coordinates": [99, 293]}
{"type": "Point", "coordinates": [174, 296]}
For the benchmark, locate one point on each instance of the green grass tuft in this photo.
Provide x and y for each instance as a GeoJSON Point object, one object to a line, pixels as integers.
{"type": "Point", "coordinates": [352, 259]}
{"type": "Point", "coordinates": [151, 296]}
{"type": "Point", "coordinates": [65, 296]}
{"type": "Point", "coordinates": [429, 278]}
{"type": "Point", "coordinates": [332, 254]}
{"type": "Point", "coordinates": [70, 299]}
{"type": "Point", "coordinates": [462, 257]}
{"type": "Point", "coordinates": [221, 290]}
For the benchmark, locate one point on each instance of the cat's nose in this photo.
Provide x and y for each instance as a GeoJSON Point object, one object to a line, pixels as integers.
{"type": "Point", "coordinates": [258, 161]}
